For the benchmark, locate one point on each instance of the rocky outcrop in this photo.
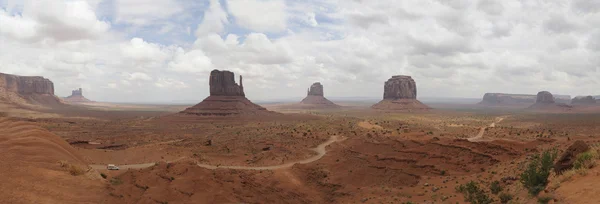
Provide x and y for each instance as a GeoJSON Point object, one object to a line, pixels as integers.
{"type": "Point", "coordinates": [400, 87]}
{"type": "Point", "coordinates": [544, 97]}
{"type": "Point", "coordinates": [76, 97]}
{"type": "Point", "coordinates": [500, 99]}
{"type": "Point", "coordinates": [26, 84]}
{"type": "Point", "coordinates": [400, 93]}
{"type": "Point", "coordinates": [27, 90]}
{"type": "Point", "coordinates": [226, 98]}
{"type": "Point", "coordinates": [315, 99]}
{"type": "Point", "coordinates": [222, 83]}
{"type": "Point", "coordinates": [567, 159]}
{"type": "Point", "coordinates": [583, 100]}
{"type": "Point", "coordinates": [315, 89]}
{"type": "Point", "coordinates": [507, 99]}
{"type": "Point", "coordinates": [545, 102]}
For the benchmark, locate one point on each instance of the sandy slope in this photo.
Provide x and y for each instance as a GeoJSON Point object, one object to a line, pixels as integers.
{"type": "Point", "coordinates": [31, 173]}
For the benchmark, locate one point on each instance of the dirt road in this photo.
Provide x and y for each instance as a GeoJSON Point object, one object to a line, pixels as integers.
{"type": "Point", "coordinates": [320, 150]}
{"type": "Point", "coordinates": [479, 136]}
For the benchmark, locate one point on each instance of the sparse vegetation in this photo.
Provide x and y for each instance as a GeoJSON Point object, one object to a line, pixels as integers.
{"type": "Point", "coordinates": [544, 199]}
{"type": "Point", "coordinates": [473, 193]}
{"type": "Point", "coordinates": [495, 187]}
{"type": "Point", "coordinates": [116, 181]}
{"type": "Point", "coordinates": [535, 177]}
{"type": "Point", "coordinates": [103, 175]}
{"type": "Point", "coordinates": [505, 197]}
{"type": "Point", "coordinates": [586, 160]}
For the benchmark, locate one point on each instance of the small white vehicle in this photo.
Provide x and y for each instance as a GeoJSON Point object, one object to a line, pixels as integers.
{"type": "Point", "coordinates": [112, 167]}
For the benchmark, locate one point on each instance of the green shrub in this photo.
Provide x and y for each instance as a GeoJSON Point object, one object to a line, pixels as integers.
{"type": "Point", "coordinates": [544, 199]}
{"type": "Point", "coordinates": [505, 197]}
{"type": "Point", "coordinates": [473, 193]}
{"type": "Point", "coordinates": [103, 175]}
{"type": "Point", "coordinates": [495, 187]}
{"type": "Point", "coordinates": [585, 160]}
{"type": "Point", "coordinates": [535, 177]}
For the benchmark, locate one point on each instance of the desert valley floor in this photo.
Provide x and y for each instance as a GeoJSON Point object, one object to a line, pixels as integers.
{"type": "Point", "coordinates": [347, 155]}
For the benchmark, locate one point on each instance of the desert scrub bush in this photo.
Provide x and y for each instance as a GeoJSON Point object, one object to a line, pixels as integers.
{"type": "Point", "coordinates": [505, 197]}
{"type": "Point", "coordinates": [116, 181]}
{"type": "Point", "coordinates": [474, 194]}
{"type": "Point", "coordinates": [495, 187]}
{"type": "Point", "coordinates": [103, 175]}
{"type": "Point", "coordinates": [544, 199]}
{"type": "Point", "coordinates": [586, 160]}
{"type": "Point", "coordinates": [76, 170]}
{"type": "Point", "coordinates": [535, 177]}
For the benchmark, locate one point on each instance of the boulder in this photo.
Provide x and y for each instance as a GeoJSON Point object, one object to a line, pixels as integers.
{"type": "Point", "coordinates": [400, 94]}
{"type": "Point", "coordinates": [566, 160]}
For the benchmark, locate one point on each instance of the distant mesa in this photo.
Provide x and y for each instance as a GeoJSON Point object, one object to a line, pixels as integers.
{"type": "Point", "coordinates": [400, 93]}
{"type": "Point", "coordinates": [227, 98]}
{"type": "Point", "coordinates": [500, 99]}
{"type": "Point", "coordinates": [316, 99]}
{"type": "Point", "coordinates": [545, 101]}
{"type": "Point", "coordinates": [76, 97]}
{"type": "Point", "coordinates": [583, 100]}
{"type": "Point", "coordinates": [27, 90]}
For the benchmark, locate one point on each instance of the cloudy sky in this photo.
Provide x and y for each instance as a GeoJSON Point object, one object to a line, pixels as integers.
{"type": "Point", "coordinates": [136, 51]}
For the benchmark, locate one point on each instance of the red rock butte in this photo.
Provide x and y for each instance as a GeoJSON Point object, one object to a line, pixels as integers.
{"type": "Point", "coordinates": [545, 101]}
{"type": "Point", "coordinates": [27, 90]}
{"type": "Point", "coordinates": [315, 98]}
{"type": "Point", "coordinates": [227, 98]}
{"type": "Point", "coordinates": [400, 93]}
{"type": "Point", "coordinates": [76, 97]}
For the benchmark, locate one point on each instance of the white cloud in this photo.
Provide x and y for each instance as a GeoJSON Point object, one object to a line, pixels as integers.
{"type": "Point", "coordinates": [259, 15]}
{"type": "Point", "coordinates": [214, 20]}
{"type": "Point", "coordinates": [193, 61]}
{"type": "Point", "coordinates": [50, 20]}
{"type": "Point", "coordinates": [143, 12]}
{"type": "Point", "coordinates": [137, 76]}
{"type": "Point", "coordinates": [169, 83]}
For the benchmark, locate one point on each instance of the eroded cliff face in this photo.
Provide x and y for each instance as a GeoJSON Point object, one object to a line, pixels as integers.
{"type": "Point", "coordinates": [222, 83]}
{"type": "Point", "coordinates": [315, 89]}
{"type": "Point", "coordinates": [400, 87]}
{"type": "Point", "coordinates": [25, 85]}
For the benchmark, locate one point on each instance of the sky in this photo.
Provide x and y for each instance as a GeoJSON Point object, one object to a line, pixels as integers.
{"type": "Point", "coordinates": [163, 50]}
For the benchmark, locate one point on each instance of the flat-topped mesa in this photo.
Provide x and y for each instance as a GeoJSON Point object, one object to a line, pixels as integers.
{"type": "Point", "coordinates": [400, 87]}
{"type": "Point", "coordinates": [222, 83]}
{"type": "Point", "coordinates": [583, 100]}
{"type": "Point", "coordinates": [26, 84]}
{"type": "Point", "coordinates": [315, 89]}
{"type": "Point", "coordinates": [544, 97]}
{"type": "Point", "coordinates": [27, 90]}
{"type": "Point", "coordinates": [400, 93]}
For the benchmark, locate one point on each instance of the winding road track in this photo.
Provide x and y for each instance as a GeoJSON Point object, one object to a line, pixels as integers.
{"type": "Point", "coordinates": [320, 150]}
{"type": "Point", "coordinates": [479, 136]}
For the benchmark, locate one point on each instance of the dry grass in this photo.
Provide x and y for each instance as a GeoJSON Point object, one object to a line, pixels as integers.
{"type": "Point", "coordinates": [75, 170]}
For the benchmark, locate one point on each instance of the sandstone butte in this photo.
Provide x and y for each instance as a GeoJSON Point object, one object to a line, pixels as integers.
{"type": "Point", "coordinates": [545, 101]}
{"type": "Point", "coordinates": [400, 93]}
{"type": "Point", "coordinates": [583, 100]}
{"type": "Point", "coordinates": [517, 99]}
{"type": "Point", "coordinates": [27, 90]}
{"type": "Point", "coordinates": [315, 97]}
{"type": "Point", "coordinates": [76, 97]}
{"type": "Point", "coordinates": [227, 98]}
